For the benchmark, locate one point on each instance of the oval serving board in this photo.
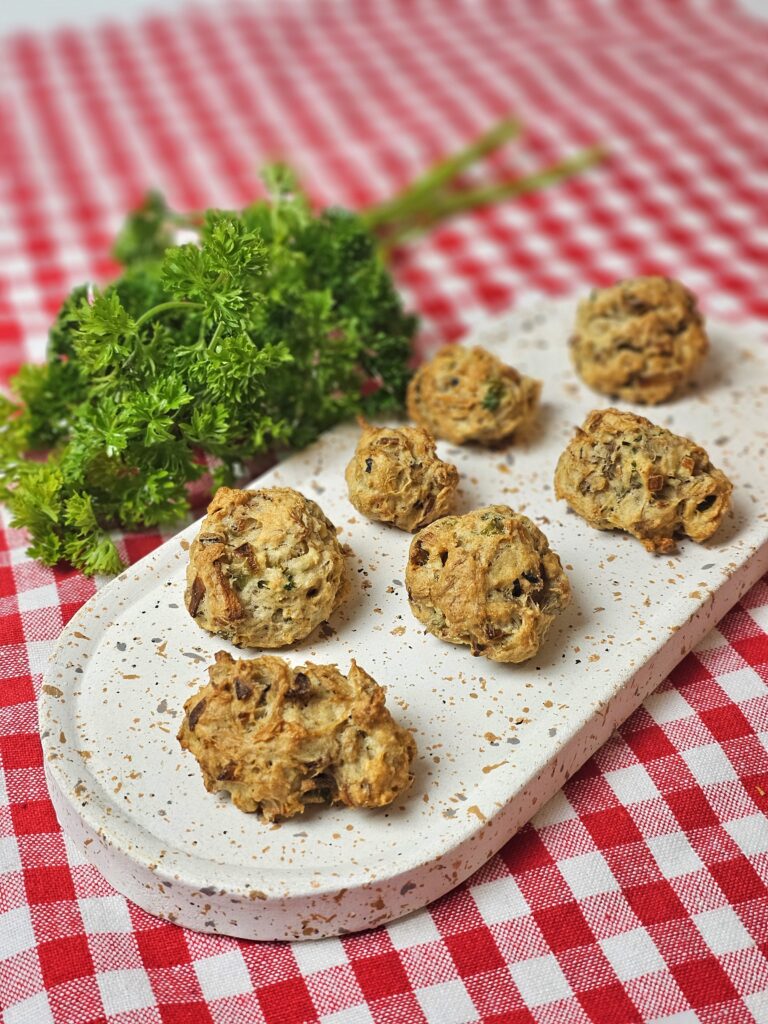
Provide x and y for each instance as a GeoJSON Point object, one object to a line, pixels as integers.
{"type": "Point", "coordinates": [495, 742]}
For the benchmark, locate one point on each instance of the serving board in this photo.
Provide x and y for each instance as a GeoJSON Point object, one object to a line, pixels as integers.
{"type": "Point", "coordinates": [495, 741]}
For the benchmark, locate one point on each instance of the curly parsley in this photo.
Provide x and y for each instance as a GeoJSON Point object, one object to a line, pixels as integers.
{"type": "Point", "coordinates": [271, 327]}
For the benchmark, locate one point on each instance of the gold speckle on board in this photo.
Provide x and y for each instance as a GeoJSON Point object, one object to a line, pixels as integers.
{"type": "Point", "coordinates": [52, 691]}
{"type": "Point", "coordinates": [474, 809]}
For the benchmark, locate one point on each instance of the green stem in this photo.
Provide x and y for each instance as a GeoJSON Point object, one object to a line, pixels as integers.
{"type": "Point", "coordinates": [161, 307]}
{"type": "Point", "coordinates": [451, 203]}
{"type": "Point", "coordinates": [436, 177]}
{"type": "Point", "coordinates": [216, 334]}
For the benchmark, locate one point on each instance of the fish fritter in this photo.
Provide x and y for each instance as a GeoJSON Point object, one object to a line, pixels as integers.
{"type": "Point", "coordinates": [622, 472]}
{"type": "Point", "coordinates": [467, 394]}
{"type": "Point", "coordinates": [395, 476]}
{"type": "Point", "coordinates": [639, 340]}
{"type": "Point", "coordinates": [487, 579]}
{"type": "Point", "coordinates": [265, 569]}
{"type": "Point", "coordinates": [277, 738]}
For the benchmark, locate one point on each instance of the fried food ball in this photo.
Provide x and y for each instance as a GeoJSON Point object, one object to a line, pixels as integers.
{"type": "Point", "coordinates": [265, 569]}
{"type": "Point", "coordinates": [640, 340]}
{"type": "Point", "coordinates": [467, 394]}
{"type": "Point", "coordinates": [487, 579]}
{"type": "Point", "coordinates": [622, 472]}
{"type": "Point", "coordinates": [278, 738]}
{"type": "Point", "coordinates": [395, 476]}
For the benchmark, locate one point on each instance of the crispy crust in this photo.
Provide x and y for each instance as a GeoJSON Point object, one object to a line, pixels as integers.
{"type": "Point", "coordinates": [487, 579]}
{"type": "Point", "coordinates": [277, 738]}
{"type": "Point", "coordinates": [622, 472]}
{"type": "Point", "coordinates": [265, 569]}
{"type": "Point", "coordinates": [467, 394]}
{"type": "Point", "coordinates": [395, 476]}
{"type": "Point", "coordinates": [639, 340]}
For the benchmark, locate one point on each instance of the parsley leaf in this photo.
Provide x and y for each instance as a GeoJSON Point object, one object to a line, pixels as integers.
{"type": "Point", "coordinates": [272, 326]}
{"type": "Point", "coordinates": [493, 395]}
{"type": "Point", "coordinates": [269, 329]}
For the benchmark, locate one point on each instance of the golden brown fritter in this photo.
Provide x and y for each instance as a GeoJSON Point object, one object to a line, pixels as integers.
{"type": "Point", "coordinates": [487, 579]}
{"type": "Point", "coordinates": [622, 472]}
{"type": "Point", "coordinates": [395, 476]}
{"type": "Point", "coordinates": [265, 569]}
{"type": "Point", "coordinates": [640, 340]}
{"type": "Point", "coordinates": [467, 394]}
{"type": "Point", "coordinates": [278, 738]}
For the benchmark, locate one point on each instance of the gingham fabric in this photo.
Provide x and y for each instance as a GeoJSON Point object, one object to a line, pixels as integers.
{"type": "Point", "coordinates": [640, 893]}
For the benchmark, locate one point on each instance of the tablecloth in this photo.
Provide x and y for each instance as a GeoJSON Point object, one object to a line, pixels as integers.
{"type": "Point", "coordinates": [641, 891]}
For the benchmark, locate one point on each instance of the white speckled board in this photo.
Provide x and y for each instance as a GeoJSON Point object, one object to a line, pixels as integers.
{"type": "Point", "coordinates": [495, 742]}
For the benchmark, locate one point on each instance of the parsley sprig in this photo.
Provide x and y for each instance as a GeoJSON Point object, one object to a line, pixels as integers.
{"type": "Point", "coordinates": [271, 327]}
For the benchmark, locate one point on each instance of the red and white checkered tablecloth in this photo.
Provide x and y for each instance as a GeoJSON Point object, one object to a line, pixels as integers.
{"type": "Point", "coordinates": [640, 893]}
